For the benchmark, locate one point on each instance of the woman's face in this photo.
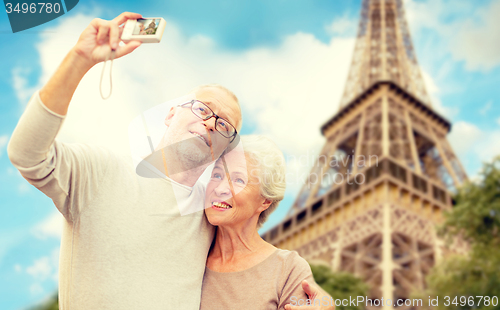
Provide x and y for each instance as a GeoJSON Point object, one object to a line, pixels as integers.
{"type": "Point", "coordinates": [238, 203]}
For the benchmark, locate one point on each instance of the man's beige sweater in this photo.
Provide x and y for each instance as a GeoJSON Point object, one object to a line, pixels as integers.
{"type": "Point", "coordinates": [124, 244]}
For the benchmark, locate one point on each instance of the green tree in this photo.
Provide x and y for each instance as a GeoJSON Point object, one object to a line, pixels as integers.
{"type": "Point", "coordinates": [51, 304]}
{"type": "Point", "coordinates": [476, 219]}
{"type": "Point", "coordinates": [340, 285]}
{"type": "Point", "coordinates": [476, 215]}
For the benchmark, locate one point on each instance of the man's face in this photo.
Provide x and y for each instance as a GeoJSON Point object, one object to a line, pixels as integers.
{"type": "Point", "coordinates": [197, 140]}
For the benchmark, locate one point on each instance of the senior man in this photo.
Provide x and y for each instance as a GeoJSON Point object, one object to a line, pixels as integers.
{"type": "Point", "coordinates": [116, 252]}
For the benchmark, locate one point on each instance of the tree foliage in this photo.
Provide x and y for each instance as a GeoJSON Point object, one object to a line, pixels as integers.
{"type": "Point", "coordinates": [476, 219]}
{"type": "Point", "coordinates": [476, 215]}
{"type": "Point", "coordinates": [340, 285]}
{"type": "Point", "coordinates": [51, 304]}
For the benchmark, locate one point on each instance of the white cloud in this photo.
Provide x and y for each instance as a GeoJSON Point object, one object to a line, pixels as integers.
{"type": "Point", "coordinates": [20, 84]}
{"type": "Point", "coordinates": [433, 92]}
{"type": "Point", "coordinates": [36, 289]}
{"type": "Point", "coordinates": [3, 142]}
{"type": "Point", "coordinates": [50, 226]}
{"type": "Point", "coordinates": [468, 31]}
{"type": "Point", "coordinates": [299, 167]}
{"type": "Point", "coordinates": [343, 26]}
{"type": "Point", "coordinates": [44, 272]}
{"type": "Point", "coordinates": [473, 145]}
{"type": "Point", "coordinates": [24, 187]}
{"type": "Point", "coordinates": [417, 12]}
{"type": "Point", "coordinates": [463, 137]}
{"type": "Point", "coordinates": [41, 268]}
{"type": "Point", "coordinates": [54, 256]}
{"type": "Point", "coordinates": [488, 147]}
{"type": "Point", "coordinates": [486, 108]}
{"type": "Point", "coordinates": [288, 91]}
{"type": "Point", "coordinates": [478, 39]}
{"type": "Point", "coordinates": [467, 138]}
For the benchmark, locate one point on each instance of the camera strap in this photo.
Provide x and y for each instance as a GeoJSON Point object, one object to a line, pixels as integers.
{"type": "Point", "coordinates": [110, 79]}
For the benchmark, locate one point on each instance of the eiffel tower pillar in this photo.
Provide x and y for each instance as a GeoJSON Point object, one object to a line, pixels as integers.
{"type": "Point", "coordinates": [387, 265]}
{"type": "Point", "coordinates": [385, 174]}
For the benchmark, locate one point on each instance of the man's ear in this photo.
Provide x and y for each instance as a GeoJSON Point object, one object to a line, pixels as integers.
{"type": "Point", "coordinates": [169, 117]}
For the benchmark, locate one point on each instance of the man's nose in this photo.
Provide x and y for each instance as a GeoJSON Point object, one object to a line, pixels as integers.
{"type": "Point", "coordinates": [209, 124]}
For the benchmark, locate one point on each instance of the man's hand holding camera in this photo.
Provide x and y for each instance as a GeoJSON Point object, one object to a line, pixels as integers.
{"type": "Point", "coordinates": [101, 37]}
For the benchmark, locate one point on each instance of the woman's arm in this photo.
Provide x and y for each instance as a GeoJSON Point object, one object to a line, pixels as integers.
{"type": "Point", "coordinates": [300, 291]}
{"type": "Point", "coordinates": [314, 293]}
{"type": "Point", "coordinates": [296, 271]}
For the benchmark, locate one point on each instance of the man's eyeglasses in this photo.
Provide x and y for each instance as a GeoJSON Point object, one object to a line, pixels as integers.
{"type": "Point", "coordinates": [204, 112]}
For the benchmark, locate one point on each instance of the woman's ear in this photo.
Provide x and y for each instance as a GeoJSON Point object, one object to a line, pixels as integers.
{"type": "Point", "coordinates": [265, 205]}
{"type": "Point", "coordinates": [170, 115]}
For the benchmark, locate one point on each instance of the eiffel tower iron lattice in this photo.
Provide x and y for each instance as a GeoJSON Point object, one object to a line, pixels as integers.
{"type": "Point", "coordinates": [385, 174]}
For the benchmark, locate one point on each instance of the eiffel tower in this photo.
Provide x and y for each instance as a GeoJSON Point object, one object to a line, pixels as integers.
{"type": "Point", "coordinates": [385, 174]}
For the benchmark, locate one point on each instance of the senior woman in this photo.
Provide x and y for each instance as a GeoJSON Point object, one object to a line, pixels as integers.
{"type": "Point", "coordinates": [243, 271]}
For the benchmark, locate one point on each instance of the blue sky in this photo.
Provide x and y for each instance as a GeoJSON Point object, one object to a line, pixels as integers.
{"type": "Point", "coordinates": [287, 61]}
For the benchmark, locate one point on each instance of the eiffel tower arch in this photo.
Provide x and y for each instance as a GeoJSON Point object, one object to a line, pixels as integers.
{"type": "Point", "coordinates": [386, 172]}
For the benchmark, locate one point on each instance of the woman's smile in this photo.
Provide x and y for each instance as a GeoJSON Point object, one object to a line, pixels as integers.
{"type": "Point", "coordinates": [221, 206]}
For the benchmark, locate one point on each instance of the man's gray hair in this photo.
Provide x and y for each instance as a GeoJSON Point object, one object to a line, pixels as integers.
{"type": "Point", "coordinates": [227, 91]}
{"type": "Point", "coordinates": [268, 158]}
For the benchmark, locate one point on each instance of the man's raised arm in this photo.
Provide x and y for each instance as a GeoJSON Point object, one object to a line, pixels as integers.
{"type": "Point", "coordinates": [64, 172]}
{"type": "Point", "coordinates": [31, 140]}
{"type": "Point", "coordinates": [93, 46]}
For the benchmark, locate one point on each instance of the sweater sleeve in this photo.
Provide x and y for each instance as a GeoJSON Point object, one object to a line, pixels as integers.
{"type": "Point", "coordinates": [296, 270]}
{"type": "Point", "coordinates": [69, 174]}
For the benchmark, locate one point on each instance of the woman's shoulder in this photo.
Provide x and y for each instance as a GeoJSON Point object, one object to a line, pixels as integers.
{"type": "Point", "coordinates": [288, 255]}
{"type": "Point", "coordinates": [292, 260]}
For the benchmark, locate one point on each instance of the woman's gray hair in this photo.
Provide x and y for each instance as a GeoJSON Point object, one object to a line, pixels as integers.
{"type": "Point", "coordinates": [268, 158]}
